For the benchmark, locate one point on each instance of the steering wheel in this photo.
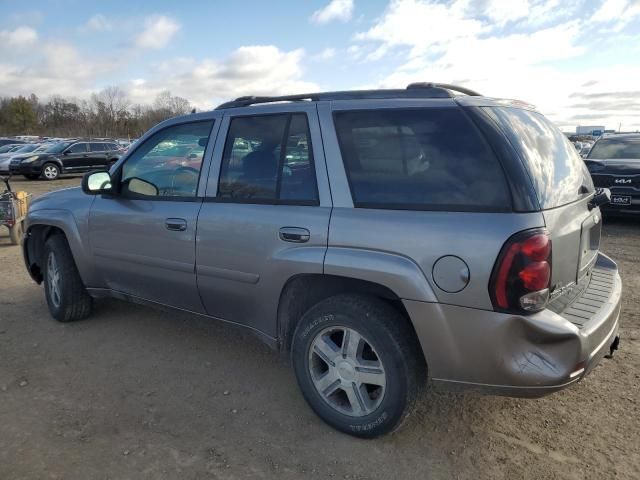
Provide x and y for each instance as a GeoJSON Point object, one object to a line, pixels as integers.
{"type": "Point", "coordinates": [189, 170]}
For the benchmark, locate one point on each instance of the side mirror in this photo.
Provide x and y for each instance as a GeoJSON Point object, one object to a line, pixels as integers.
{"type": "Point", "coordinates": [94, 183]}
{"type": "Point", "coordinates": [601, 197]}
{"type": "Point", "coordinates": [66, 152]}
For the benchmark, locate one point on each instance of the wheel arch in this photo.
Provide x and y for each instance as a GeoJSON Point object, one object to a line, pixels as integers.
{"type": "Point", "coordinates": [301, 292]}
{"type": "Point", "coordinates": [41, 226]}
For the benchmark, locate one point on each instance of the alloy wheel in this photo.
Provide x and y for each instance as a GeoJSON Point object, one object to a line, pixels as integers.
{"type": "Point", "coordinates": [53, 277]}
{"type": "Point", "coordinates": [347, 371]}
{"type": "Point", "coordinates": [50, 172]}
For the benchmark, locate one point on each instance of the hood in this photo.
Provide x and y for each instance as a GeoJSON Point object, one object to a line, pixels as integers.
{"type": "Point", "coordinates": [22, 156]}
{"type": "Point", "coordinates": [66, 198]}
{"type": "Point", "coordinates": [629, 166]}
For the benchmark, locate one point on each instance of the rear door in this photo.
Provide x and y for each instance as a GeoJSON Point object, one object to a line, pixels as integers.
{"type": "Point", "coordinates": [564, 188]}
{"type": "Point", "coordinates": [266, 214]}
{"type": "Point", "coordinates": [97, 156]}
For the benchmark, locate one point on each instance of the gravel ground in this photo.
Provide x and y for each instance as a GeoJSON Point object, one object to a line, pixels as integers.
{"type": "Point", "coordinates": [136, 393]}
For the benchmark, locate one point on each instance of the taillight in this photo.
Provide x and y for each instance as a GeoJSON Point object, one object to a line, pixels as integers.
{"type": "Point", "coordinates": [522, 274]}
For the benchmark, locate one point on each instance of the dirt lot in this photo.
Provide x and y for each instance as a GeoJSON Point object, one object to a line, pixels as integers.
{"type": "Point", "coordinates": [135, 393]}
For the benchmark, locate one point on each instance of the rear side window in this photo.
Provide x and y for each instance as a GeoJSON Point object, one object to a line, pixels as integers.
{"type": "Point", "coordinates": [556, 170]}
{"type": "Point", "coordinates": [97, 147]}
{"type": "Point", "coordinates": [268, 159]}
{"type": "Point", "coordinates": [616, 148]}
{"type": "Point", "coordinates": [422, 159]}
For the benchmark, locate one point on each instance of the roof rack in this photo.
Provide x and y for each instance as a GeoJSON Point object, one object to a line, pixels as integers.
{"type": "Point", "coordinates": [414, 90]}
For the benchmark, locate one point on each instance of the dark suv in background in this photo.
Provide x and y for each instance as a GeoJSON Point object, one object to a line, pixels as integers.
{"type": "Point", "coordinates": [614, 163]}
{"type": "Point", "coordinates": [73, 156]}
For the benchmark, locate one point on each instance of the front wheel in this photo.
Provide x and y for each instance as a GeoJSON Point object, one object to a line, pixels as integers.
{"type": "Point", "coordinates": [50, 171]}
{"type": "Point", "coordinates": [358, 364]}
{"type": "Point", "coordinates": [66, 296]}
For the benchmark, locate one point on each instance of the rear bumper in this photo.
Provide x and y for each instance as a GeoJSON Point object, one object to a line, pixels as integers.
{"type": "Point", "coordinates": [524, 356]}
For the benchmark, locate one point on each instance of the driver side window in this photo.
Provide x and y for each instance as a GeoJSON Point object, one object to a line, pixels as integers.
{"type": "Point", "coordinates": [168, 163]}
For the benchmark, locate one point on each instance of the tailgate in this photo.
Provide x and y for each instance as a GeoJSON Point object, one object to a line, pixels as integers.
{"type": "Point", "coordinates": [575, 239]}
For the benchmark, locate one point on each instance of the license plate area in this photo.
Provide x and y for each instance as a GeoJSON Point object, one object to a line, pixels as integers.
{"type": "Point", "coordinates": [621, 200]}
{"type": "Point", "coordinates": [589, 244]}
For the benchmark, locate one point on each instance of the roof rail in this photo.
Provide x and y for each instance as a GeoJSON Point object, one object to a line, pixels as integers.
{"type": "Point", "coordinates": [414, 90]}
{"type": "Point", "coordinates": [446, 86]}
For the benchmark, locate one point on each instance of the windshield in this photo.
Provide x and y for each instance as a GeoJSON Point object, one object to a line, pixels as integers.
{"type": "Point", "coordinates": [616, 148]}
{"type": "Point", "coordinates": [8, 148]}
{"type": "Point", "coordinates": [58, 147]}
{"type": "Point", "coordinates": [42, 148]}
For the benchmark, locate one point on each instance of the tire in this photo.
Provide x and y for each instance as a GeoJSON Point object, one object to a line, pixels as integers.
{"type": "Point", "coordinates": [364, 403]}
{"type": "Point", "coordinates": [15, 233]}
{"type": "Point", "coordinates": [66, 296]}
{"type": "Point", "coordinates": [50, 171]}
{"type": "Point", "coordinates": [31, 176]}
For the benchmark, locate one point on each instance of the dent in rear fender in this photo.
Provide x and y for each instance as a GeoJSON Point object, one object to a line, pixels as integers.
{"type": "Point", "coordinates": [399, 274]}
{"type": "Point", "coordinates": [485, 347]}
{"type": "Point", "coordinates": [65, 221]}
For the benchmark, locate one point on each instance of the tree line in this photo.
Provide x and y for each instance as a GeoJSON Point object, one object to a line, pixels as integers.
{"type": "Point", "coordinates": [108, 113]}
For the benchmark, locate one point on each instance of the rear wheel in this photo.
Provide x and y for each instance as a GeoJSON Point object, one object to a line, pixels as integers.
{"type": "Point", "coordinates": [50, 171]}
{"type": "Point", "coordinates": [358, 364]}
{"type": "Point", "coordinates": [66, 296]}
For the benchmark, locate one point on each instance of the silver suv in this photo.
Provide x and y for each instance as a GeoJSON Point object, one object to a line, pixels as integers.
{"type": "Point", "coordinates": [383, 239]}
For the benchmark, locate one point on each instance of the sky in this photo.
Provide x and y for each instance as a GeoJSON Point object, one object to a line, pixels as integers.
{"type": "Point", "coordinates": [578, 61]}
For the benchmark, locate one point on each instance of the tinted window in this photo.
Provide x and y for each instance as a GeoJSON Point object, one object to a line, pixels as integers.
{"type": "Point", "coordinates": [168, 163]}
{"type": "Point", "coordinates": [616, 148]}
{"type": "Point", "coordinates": [556, 169]}
{"type": "Point", "coordinates": [97, 147]}
{"type": "Point", "coordinates": [78, 148]}
{"type": "Point", "coordinates": [419, 159]}
{"type": "Point", "coordinates": [268, 158]}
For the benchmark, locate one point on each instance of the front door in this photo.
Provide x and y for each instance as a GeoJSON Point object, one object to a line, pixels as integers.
{"type": "Point", "coordinates": [143, 237]}
{"type": "Point", "coordinates": [75, 157]}
{"type": "Point", "coordinates": [266, 215]}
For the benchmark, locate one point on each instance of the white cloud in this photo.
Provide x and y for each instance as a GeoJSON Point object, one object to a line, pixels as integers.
{"type": "Point", "coordinates": [422, 25]}
{"type": "Point", "coordinates": [158, 32]}
{"type": "Point", "coordinates": [618, 13]}
{"type": "Point", "coordinates": [341, 10]}
{"type": "Point", "coordinates": [460, 45]}
{"type": "Point", "coordinates": [20, 37]}
{"type": "Point", "coordinates": [504, 11]}
{"type": "Point", "coordinates": [99, 23]}
{"type": "Point", "coordinates": [248, 70]}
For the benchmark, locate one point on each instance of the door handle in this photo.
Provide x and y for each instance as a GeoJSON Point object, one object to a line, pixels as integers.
{"type": "Point", "coordinates": [294, 234]}
{"type": "Point", "coordinates": [176, 224]}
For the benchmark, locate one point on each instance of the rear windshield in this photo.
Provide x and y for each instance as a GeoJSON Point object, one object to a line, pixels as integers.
{"type": "Point", "coordinates": [556, 170]}
{"type": "Point", "coordinates": [616, 148]}
{"type": "Point", "coordinates": [419, 159]}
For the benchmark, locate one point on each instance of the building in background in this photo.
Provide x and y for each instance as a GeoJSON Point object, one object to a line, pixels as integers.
{"type": "Point", "coordinates": [595, 131]}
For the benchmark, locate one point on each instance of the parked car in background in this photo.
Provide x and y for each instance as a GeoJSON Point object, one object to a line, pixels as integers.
{"type": "Point", "coordinates": [381, 238]}
{"type": "Point", "coordinates": [614, 163]}
{"type": "Point", "coordinates": [7, 141]}
{"type": "Point", "coordinates": [75, 156]}
{"type": "Point", "coordinates": [5, 158]}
